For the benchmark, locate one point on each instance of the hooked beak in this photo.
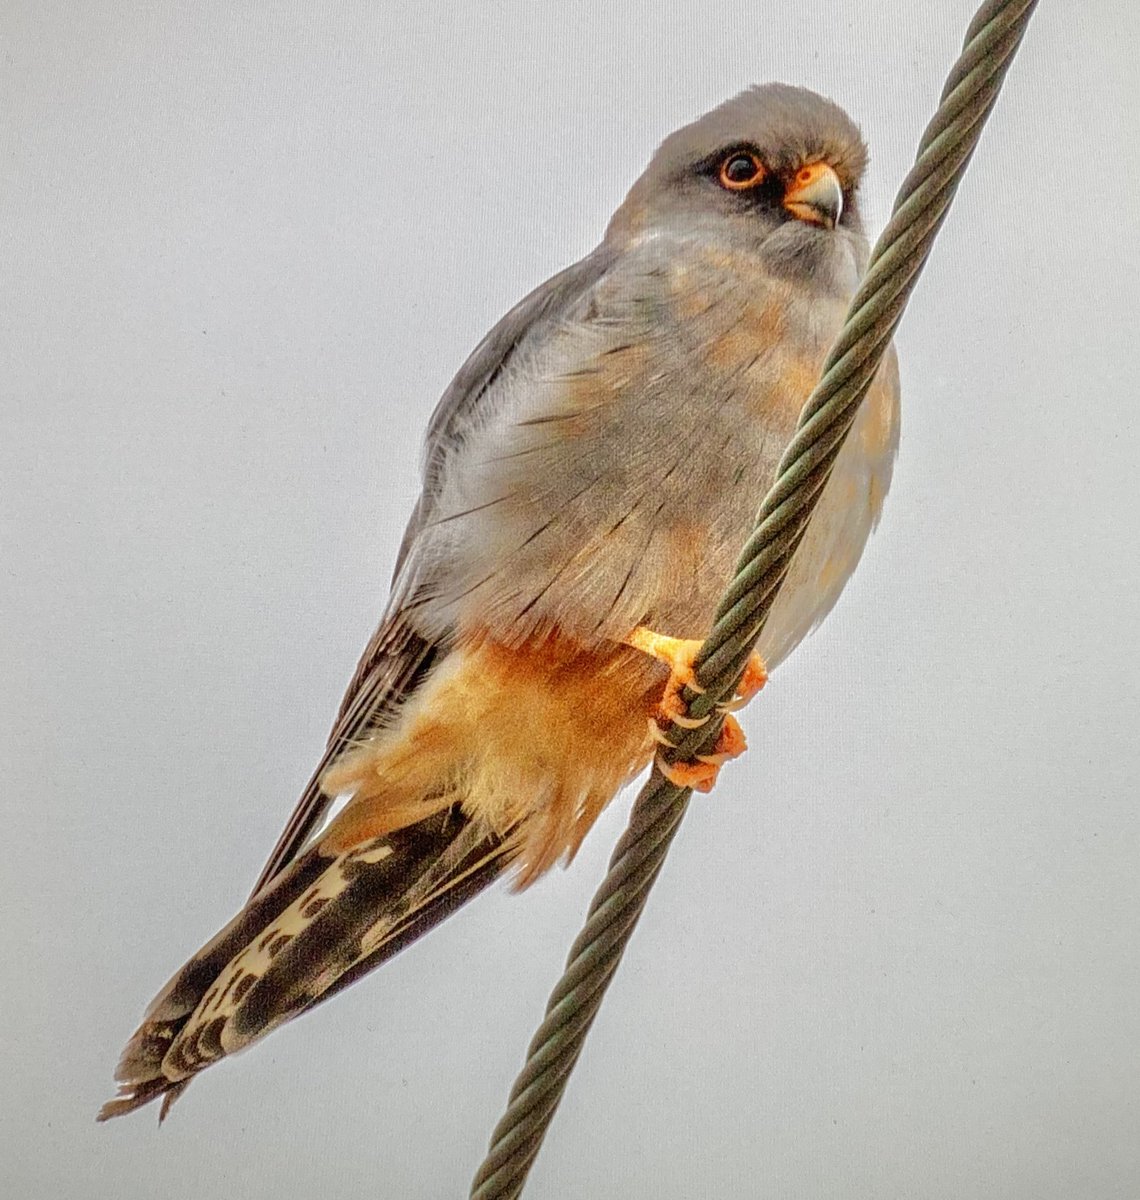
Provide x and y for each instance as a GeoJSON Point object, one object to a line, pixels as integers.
{"type": "Point", "coordinates": [815, 195]}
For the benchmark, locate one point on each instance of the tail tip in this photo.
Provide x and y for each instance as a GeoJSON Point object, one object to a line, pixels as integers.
{"type": "Point", "coordinates": [135, 1095]}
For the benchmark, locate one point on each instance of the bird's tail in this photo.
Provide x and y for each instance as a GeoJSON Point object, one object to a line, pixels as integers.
{"type": "Point", "coordinates": [321, 924]}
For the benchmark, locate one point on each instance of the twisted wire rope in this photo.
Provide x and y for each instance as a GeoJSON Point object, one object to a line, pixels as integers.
{"type": "Point", "coordinates": [893, 269]}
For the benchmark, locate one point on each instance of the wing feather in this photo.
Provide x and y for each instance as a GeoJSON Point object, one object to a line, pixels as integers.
{"type": "Point", "coordinates": [325, 921]}
{"type": "Point", "coordinates": [397, 659]}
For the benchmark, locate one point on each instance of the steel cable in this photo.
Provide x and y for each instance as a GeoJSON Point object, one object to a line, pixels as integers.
{"type": "Point", "coordinates": [893, 269]}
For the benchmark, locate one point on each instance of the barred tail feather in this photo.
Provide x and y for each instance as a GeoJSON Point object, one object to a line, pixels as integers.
{"type": "Point", "coordinates": [324, 922]}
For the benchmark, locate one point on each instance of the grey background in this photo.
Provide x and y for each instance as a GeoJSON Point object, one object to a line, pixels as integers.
{"type": "Point", "coordinates": [243, 250]}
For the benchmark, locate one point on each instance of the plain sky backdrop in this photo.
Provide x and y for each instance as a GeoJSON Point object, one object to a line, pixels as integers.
{"type": "Point", "coordinates": [243, 248]}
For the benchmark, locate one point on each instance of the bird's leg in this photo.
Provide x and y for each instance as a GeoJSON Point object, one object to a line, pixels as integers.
{"type": "Point", "coordinates": [679, 654]}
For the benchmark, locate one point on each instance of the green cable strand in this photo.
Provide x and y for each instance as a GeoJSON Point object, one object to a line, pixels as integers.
{"type": "Point", "coordinates": [895, 264]}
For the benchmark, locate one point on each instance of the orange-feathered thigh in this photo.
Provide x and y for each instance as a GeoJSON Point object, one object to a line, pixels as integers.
{"type": "Point", "coordinates": [539, 737]}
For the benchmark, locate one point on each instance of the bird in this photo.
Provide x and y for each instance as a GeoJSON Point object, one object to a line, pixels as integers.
{"type": "Point", "coordinates": [588, 479]}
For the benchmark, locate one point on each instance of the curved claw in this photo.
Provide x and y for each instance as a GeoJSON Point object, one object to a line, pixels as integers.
{"type": "Point", "coordinates": [674, 709]}
{"type": "Point", "coordinates": [754, 677]}
{"type": "Point", "coordinates": [731, 744]}
{"type": "Point", "coordinates": [658, 734]}
{"type": "Point", "coordinates": [701, 774]}
{"type": "Point", "coordinates": [687, 722]}
{"type": "Point", "coordinates": [679, 655]}
{"type": "Point", "coordinates": [696, 775]}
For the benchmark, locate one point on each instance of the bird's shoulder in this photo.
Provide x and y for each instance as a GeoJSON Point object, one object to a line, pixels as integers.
{"type": "Point", "coordinates": [664, 288]}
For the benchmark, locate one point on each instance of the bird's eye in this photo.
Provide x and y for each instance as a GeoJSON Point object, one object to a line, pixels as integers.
{"type": "Point", "coordinates": [741, 169]}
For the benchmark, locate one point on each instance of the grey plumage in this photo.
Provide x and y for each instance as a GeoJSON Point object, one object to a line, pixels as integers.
{"type": "Point", "coordinates": [594, 467]}
{"type": "Point", "coordinates": [523, 528]}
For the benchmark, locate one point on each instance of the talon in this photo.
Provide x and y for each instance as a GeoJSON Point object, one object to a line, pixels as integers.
{"type": "Point", "coordinates": [674, 709]}
{"type": "Point", "coordinates": [754, 678]}
{"type": "Point", "coordinates": [701, 774]}
{"type": "Point", "coordinates": [658, 734]}
{"type": "Point", "coordinates": [678, 655]}
{"type": "Point", "coordinates": [696, 775]}
{"type": "Point", "coordinates": [730, 744]}
{"type": "Point", "coordinates": [690, 722]}
{"type": "Point", "coordinates": [677, 713]}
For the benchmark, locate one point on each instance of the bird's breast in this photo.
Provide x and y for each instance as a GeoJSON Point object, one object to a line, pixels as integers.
{"type": "Point", "coordinates": [622, 471]}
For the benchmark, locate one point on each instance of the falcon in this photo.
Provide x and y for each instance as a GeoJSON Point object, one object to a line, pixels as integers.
{"type": "Point", "coordinates": [589, 478]}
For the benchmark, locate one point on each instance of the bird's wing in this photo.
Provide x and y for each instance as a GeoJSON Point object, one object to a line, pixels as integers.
{"type": "Point", "coordinates": [397, 659]}
{"type": "Point", "coordinates": [533, 317]}
{"type": "Point", "coordinates": [394, 664]}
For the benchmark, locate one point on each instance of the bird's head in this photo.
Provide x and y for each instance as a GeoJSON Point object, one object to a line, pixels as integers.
{"type": "Point", "coordinates": [774, 169]}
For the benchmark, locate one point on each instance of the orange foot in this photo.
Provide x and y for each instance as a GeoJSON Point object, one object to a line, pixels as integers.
{"type": "Point", "coordinates": [679, 654]}
{"type": "Point", "coordinates": [701, 773]}
{"type": "Point", "coordinates": [754, 678]}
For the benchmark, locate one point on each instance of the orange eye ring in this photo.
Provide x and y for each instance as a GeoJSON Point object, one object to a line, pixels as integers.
{"type": "Point", "coordinates": [740, 170]}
